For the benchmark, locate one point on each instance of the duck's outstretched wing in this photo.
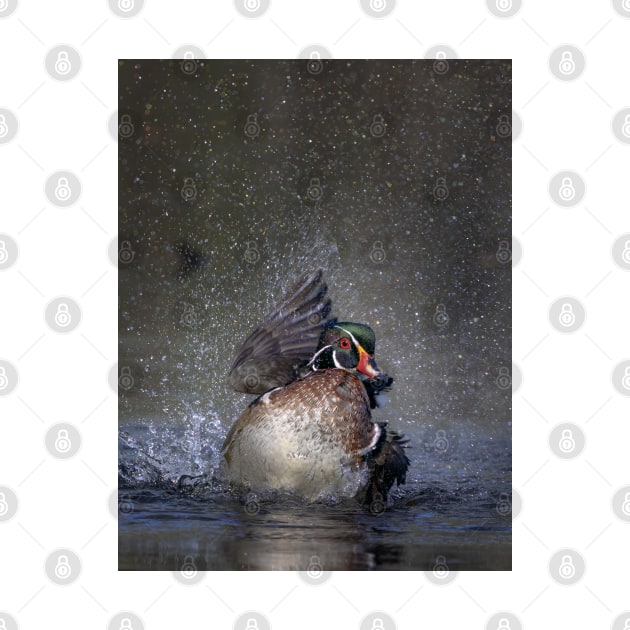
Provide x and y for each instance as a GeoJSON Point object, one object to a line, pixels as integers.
{"type": "Point", "coordinates": [387, 464]}
{"type": "Point", "coordinates": [284, 341]}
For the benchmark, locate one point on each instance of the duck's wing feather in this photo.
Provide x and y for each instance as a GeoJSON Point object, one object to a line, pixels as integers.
{"type": "Point", "coordinates": [284, 341]}
{"type": "Point", "coordinates": [387, 464]}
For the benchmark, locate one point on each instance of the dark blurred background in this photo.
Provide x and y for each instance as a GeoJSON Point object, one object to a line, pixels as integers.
{"type": "Point", "coordinates": [392, 176]}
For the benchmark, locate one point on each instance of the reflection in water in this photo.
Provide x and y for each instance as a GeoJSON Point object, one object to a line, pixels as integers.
{"type": "Point", "coordinates": [410, 225]}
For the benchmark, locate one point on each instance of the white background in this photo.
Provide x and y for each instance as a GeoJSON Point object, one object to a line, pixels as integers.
{"type": "Point", "coordinates": [63, 251]}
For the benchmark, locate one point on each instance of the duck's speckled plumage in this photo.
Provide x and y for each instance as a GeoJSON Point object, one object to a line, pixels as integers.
{"type": "Point", "coordinates": [311, 430]}
{"type": "Point", "coordinates": [290, 437]}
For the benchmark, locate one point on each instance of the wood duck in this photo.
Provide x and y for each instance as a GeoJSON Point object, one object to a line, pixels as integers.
{"type": "Point", "coordinates": [310, 431]}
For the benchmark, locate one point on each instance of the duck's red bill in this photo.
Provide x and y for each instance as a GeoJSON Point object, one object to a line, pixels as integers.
{"type": "Point", "coordinates": [367, 364]}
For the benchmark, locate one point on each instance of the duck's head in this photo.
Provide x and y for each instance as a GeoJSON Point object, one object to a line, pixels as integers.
{"type": "Point", "coordinates": [348, 346]}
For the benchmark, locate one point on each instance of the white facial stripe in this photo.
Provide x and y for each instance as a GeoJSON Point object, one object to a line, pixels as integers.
{"type": "Point", "coordinates": [317, 354]}
{"type": "Point", "coordinates": [356, 343]}
{"type": "Point", "coordinates": [337, 364]}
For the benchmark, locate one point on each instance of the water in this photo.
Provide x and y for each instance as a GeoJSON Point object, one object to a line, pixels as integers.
{"type": "Point", "coordinates": [221, 222]}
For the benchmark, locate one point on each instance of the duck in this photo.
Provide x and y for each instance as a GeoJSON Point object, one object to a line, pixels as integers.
{"type": "Point", "coordinates": [309, 431]}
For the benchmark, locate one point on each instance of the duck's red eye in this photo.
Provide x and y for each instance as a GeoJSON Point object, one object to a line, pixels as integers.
{"type": "Point", "coordinates": [344, 344]}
